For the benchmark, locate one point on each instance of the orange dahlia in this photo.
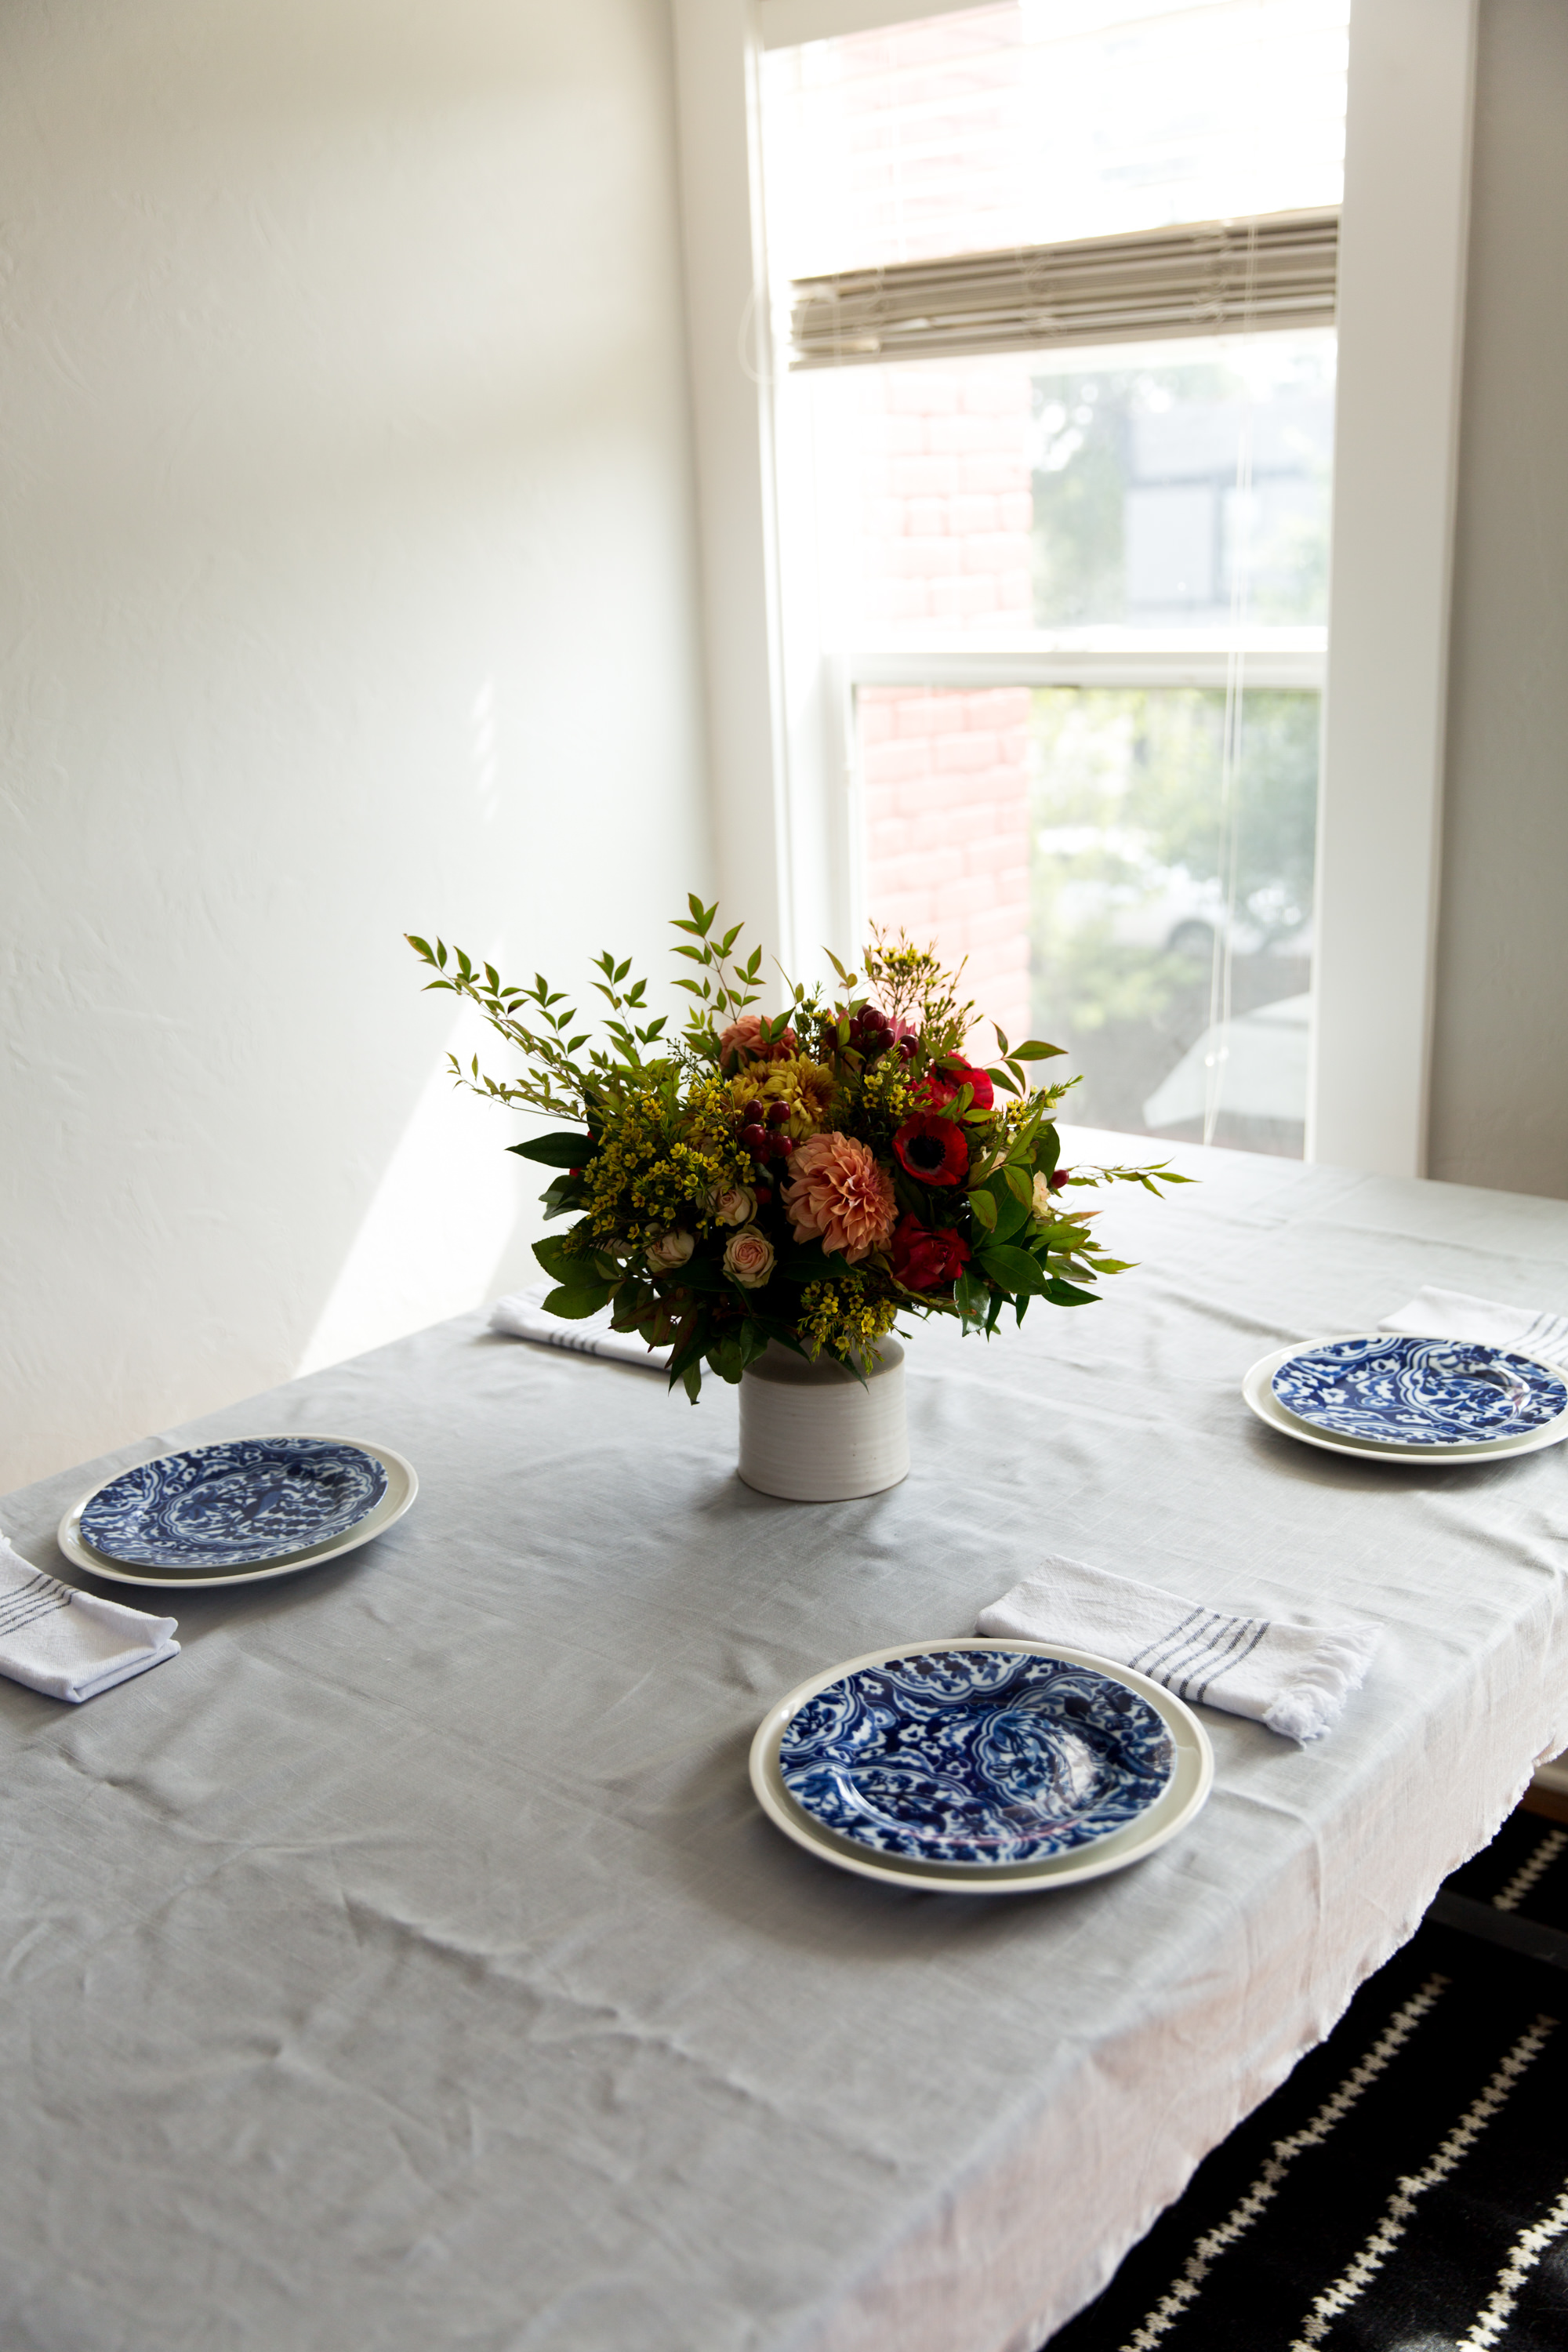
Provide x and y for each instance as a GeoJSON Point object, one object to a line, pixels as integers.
{"type": "Point", "coordinates": [837, 1194]}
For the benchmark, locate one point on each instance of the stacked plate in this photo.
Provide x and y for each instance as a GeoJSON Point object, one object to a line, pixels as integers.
{"type": "Point", "coordinates": [1389, 1397]}
{"type": "Point", "coordinates": [232, 1513]}
{"type": "Point", "coordinates": [980, 1767]}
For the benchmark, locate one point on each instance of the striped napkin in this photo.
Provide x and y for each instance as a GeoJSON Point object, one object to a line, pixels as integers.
{"type": "Point", "coordinates": [70, 1644]}
{"type": "Point", "coordinates": [1454, 1315]}
{"type": "Point", "coordinates": [1294, 1679]}
{"type": "Point", "coordinates": [523, 1317]}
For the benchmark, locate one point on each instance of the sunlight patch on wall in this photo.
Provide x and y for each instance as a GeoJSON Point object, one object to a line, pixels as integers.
{"type": "Point", "coordinates": [450, 1179]}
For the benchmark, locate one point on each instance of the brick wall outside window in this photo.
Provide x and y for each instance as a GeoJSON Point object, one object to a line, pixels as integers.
{"type": "Point", "coordinates": [945, 518]}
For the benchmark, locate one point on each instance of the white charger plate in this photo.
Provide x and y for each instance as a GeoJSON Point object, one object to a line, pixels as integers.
{"type": "Point", "coordinates": [1184, 1798]}
{"type": "Point", "coordinates": [1258, 1393]}
{"type": "Point", "coordinates": [402, 1486]}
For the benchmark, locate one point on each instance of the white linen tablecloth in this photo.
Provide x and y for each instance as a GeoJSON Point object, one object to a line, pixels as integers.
{"type": "Point", "coordinates": [413, 1968]}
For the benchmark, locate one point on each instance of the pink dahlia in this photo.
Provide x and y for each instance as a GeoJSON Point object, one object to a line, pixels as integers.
{"type": "Point", "coordinates": [742, 1042]}
{"type": "Point", "coordinates": [837, 1194]}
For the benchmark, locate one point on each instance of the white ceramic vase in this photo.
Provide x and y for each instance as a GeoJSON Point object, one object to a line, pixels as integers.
{"type": "Point", "coordinates": [813, 1434]}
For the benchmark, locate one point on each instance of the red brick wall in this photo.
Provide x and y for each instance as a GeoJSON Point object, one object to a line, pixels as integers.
{"type": "Point", "coordinates": [945, 518]}
{"type": "Point", "coordinates": [947, 840]}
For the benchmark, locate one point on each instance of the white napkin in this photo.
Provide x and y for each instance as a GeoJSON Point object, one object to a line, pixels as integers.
{"type": "Point", "coordinates": [70, 1644]}
{"type": "Point", "coordinates": [1454, 1315]}
{"type": "Point", "coordinates": [523, 1317]}
{"type": "Point", "coordinates": [1292, 1678]}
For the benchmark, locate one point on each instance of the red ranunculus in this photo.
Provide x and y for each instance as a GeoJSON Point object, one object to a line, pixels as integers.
{"type": "Point", "coordinates": [939, 1087]}
{"type": "Point", "coordinates": [926, 1261]}
{"type": "Point", "coordinates": [934, 1149]}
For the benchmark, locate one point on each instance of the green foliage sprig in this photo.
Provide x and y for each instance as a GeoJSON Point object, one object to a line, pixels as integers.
{"type": "Point", "coordinates": [680, 1166]}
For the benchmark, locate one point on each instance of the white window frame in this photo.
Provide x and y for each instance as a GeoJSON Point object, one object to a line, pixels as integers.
{"type": "Point", "coordinates": [784, 802]}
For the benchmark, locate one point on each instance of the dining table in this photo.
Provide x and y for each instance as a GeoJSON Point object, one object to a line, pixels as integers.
{"type": "Point", "coordinates": [408, 1964]}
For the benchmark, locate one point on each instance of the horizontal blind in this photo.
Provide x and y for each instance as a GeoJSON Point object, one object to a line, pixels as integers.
{"type": "Point", "coordinates": [1207, 278]}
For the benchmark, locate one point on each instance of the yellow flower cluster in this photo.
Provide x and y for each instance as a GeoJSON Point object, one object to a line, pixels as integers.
{"type": "Point", "coordinates": [658, 1161]}
{"type": "Point", "coordinates": [804, 1087]}
{"type": "Point", "coordinates": [843, 1316]}
{"type": "Point", "coordinates": [886, 1089]}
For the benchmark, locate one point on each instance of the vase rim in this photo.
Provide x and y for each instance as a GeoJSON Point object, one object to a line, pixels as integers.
{"type": "Point", "coordinates": [782, 1366]}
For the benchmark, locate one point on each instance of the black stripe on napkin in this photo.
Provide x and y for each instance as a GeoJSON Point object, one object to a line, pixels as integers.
{"type": "Point", "coordinates": [39, 1597]}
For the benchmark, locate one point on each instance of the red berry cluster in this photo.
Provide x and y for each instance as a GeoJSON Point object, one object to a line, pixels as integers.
{"type": "Point", "coordinates": [870, 1031]}
{"type": "Point", "coordinates": [765, 1134]}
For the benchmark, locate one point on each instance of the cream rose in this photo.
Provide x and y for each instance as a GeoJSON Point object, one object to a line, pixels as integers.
{"type": "Point", "coordinates": [749, 1257]}
{"type": "Point", "coordinates": [1042, 1200]}
{"type": "Point", "coordinates": [735, 1207]}
{"type": "Point", "coordinates": [669, 1250]}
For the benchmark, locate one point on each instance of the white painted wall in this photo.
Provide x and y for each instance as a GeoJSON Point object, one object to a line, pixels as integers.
{"type": "Point", "coordinates": [347, 588]}
{"type": "Point", "coordinates": [1499, 1068]}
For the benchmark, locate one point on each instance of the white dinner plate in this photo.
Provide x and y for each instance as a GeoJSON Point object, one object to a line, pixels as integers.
{"type": "Point", "coordinates": [1184, 1798]}
{"type": "Point", "coordinates": [1257, 1392]}
{"type": "Point", "coordinates": [402, 1486]}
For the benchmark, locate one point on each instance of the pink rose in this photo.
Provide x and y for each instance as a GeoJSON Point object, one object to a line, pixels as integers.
{"type": "Point", "coordinates": [839, 1194]}
{"type": "Point", "coordinates": [749, 1257]}
{"type": "Point", "coordinates": [736, 1206]}
{"type": "Point", "coordinates": [742, 1042]}
{"type": "Point", "coordinates": [668, 1251]}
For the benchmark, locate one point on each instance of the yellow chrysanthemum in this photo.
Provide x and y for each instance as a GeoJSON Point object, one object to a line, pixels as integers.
{"type": "Point", "coordinates": [805, 1087]}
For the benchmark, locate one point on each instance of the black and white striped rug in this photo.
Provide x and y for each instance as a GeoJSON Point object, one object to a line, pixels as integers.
{"type": "Point", "coordinates": [1406, 2189]}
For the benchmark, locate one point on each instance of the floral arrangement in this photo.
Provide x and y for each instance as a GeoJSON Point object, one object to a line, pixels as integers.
{"type": "Point", "coordinates": [802, 1178]}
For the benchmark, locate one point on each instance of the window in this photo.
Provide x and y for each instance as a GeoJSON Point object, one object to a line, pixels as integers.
{"type": "Point", "coordinates": [1073, 595]}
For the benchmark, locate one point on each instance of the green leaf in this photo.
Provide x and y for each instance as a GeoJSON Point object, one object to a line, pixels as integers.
{"type": "Point", "coordinates": [700, 1274]}
{"type": "Point", "coordinates": [1013, 1269]}
{"type": "Point", "coordinates": [573, 1305]}
{"type": "Point", "coordinates": [1020, 1185]}
{"type": "Point", "coordinates": [982, 1206]}
{"type": "Point", "coordinates": [554, 1256]}
{"type": "Point", "coordinates": [690, 1345]}
{"type": "Point", "coordinates": [561, 1149]}
{"type": "Point", "coordinates": [1034, 1050]}
{"type": "Point", "coordinates": [971, 1297]}
{"type": "Point", "coordinates": [807, 1261]}
{"type": "Point", "coordinates": [1011, 1215]}
{"type": "Point", "coordinates": [753, 1339]}
{"type": "Point", "coordinates": [1063, 1294]}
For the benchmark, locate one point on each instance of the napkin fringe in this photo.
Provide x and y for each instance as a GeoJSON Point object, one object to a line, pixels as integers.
{"type": "Point", "coordinates": [1307, 1709]}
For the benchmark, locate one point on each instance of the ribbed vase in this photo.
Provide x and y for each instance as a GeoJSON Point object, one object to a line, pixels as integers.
{"type": "Point", "coordinates": [813, 1434]}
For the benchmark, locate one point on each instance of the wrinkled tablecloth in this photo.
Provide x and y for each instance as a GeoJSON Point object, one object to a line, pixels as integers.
{"type": "Point", "coordinates": [412, 1967]}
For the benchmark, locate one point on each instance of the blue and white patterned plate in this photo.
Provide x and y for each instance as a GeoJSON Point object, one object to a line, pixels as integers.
{"type": "Point", "coordinates": [990, 1757]}
{"type": "Point", "coordinates": [237, 1505]}
{"type": "Point", "coordinates": [1392, 1390]}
